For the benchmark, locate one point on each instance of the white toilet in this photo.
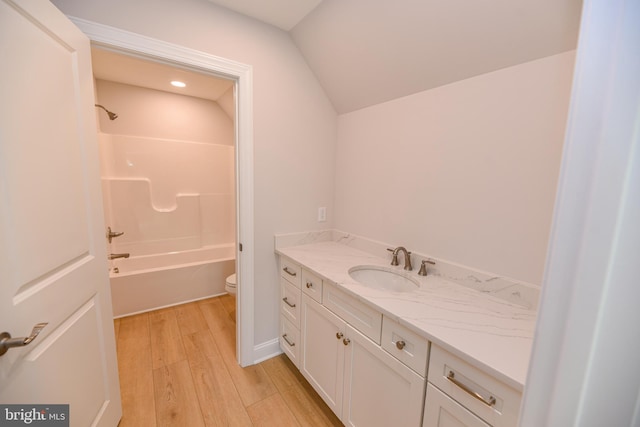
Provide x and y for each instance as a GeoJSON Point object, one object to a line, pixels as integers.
{"type": "Point", "coordinates": [231, 285]}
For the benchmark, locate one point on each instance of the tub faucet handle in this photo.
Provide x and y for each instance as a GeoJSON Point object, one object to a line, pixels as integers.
{"type": "Point", "coordinates": [112, 234]}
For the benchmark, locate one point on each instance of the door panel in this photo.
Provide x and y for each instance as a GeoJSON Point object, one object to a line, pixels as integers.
{"type": "Point", "coordinates": [379, 390]}
{"type": "Point", "coordinates": [52, 251]}
{"type": "Point", "coordinates": [322, 359]}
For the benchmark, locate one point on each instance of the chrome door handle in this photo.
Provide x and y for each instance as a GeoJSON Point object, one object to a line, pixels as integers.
{"type": "Point", "coordinates": [6, 342]}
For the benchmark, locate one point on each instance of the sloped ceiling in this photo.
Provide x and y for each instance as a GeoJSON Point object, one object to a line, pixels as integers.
{"type": "Point", "coordinates": [283, 14]}
{"type": "Point", "coordinates": [365, 52]}
{"type": "Point", "coordinates": [120, 68]}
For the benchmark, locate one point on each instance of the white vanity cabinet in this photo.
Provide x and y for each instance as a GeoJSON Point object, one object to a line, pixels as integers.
{"type": "Point", "coordinates": [290, 296]}
{"type": "Point", "coordinates": [361, 382]}
{"type": "Point", "coordinates": [442, 411]}
{"type": "Point", "coordinates": [460, 394]}
{"type": "Point", "coordinates": [294, 282]}
{"type": "Point", "coordinates": [375, 370]}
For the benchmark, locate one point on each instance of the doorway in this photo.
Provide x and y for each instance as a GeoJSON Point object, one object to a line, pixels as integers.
{"type": "Point", "coordinates": [131, 44]}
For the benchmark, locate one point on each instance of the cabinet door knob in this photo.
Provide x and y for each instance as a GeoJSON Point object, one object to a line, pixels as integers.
{"type": "Point", "coordinates": [309, 285]}
{"type": "Point", "coordinates": [339, 335]}
{"type": "Point", "coordinates": [346, 341]}
{"type": "Point", "coordinates": [400, 344]}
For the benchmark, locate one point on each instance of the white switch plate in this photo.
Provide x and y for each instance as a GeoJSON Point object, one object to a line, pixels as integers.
{"type": "Point", "coordinates": [322, 214]}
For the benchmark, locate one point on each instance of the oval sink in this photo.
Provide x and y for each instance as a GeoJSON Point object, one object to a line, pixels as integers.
{"type": "Point", "coordinates": [382, 278]}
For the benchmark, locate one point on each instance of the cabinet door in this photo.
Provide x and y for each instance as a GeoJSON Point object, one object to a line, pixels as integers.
{"type": "Point", "coordinates": [379, 390]}
{"type": "Point", "coordinates": [442, 411]}
{"type": "Point", "coordinates": [322, 359]}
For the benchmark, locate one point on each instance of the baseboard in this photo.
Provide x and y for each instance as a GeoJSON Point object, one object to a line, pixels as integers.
{"type": "Point", "coordinates": [266, 350]}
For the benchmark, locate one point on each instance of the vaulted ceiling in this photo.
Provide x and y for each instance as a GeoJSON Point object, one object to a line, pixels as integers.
{"type": "Point", "coordinates": [365, 52]}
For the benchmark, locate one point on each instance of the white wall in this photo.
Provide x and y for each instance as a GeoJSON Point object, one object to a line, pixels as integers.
{"type": "Point", "coordinates": [294, 123]}
{"type": "Point", "coordinates": [465, 172]}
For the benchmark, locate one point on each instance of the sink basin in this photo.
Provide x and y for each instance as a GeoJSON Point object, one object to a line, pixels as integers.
{"type": "Point", "coordinates": [383, 278]}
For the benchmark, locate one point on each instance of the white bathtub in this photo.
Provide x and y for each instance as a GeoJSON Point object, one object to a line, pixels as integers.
{"type": "Point", "coordinates": [149, 282]}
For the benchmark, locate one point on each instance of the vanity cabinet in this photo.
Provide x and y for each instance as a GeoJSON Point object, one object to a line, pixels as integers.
{"type": "Point", "coordinates": [460, 394]}
{"type": "Point", "coordinates": [371, 370]}
{"type": "Point", "coordinates": [290, 300]}
{"type": "Point", "coordinates": [442, 411]}
{"type": "Point", "coordinates": [360, 381]}
{"type": "Point", "coordinates": [294, 282]}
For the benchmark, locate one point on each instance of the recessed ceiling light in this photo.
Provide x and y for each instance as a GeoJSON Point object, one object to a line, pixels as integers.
{"type": "Point", "coordinates": [177, 83]}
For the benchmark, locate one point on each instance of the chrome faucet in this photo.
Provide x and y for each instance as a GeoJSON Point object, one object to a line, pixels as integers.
{"type": "Point", "coordinates": [114, 256]}
{"type": "Point", "coordinates": [407, 257]}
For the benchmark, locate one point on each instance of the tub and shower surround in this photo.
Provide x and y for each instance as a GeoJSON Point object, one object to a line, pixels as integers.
{"type": "Point", "coordinates": [175, 202]}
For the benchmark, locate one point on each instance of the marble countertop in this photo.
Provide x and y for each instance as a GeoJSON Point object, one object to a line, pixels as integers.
{"type": "Point", "coordinates": [490, 333]}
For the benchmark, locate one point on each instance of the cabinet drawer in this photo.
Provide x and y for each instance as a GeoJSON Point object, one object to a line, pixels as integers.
{"type": "Point", "coordinates": [359, 315]}
{"type": "Point", "coordinates": [312, 285]}
{"type": "Point", "coordinates": [442, 411]}
{"type": "Point", "coordinates": [405, 345]}
{"type": "Point", "coordinates": [290, 302]}
{"type": "Point", "coordinates": [290, 340]}
{"type": "Point", "coordinates": [500, 403]}
{"type": "Point", "coordinates": [290, 271]}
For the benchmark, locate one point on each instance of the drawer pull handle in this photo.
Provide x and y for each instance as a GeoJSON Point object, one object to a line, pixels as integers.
{"type": "Point", "coordinates": [286, 301]}
{"type": "Point", "coordinates": [490, 402]}
{"type": "Point", "coordinates": [400, 345]}
{"type": "Point", "coordinates": [309, 285]}
{"type": "Point", "coordinates": [339, 335]}
{"type": "Point", "coordinates": [289, 272]}
{"type": "Point", "coordinates": [346, 341]}
{"type": "Point", "coordinates": [284, 337]}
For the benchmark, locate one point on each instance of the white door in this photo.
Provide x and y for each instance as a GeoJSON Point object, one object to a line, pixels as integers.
{"type": "Point", "coordinates": [52, 252]}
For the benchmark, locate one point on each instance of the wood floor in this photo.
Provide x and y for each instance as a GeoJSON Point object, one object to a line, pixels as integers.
{"type": "Point", "coordinates": [178, 368]}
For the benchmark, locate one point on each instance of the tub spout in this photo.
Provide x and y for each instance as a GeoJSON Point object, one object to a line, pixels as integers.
{"type": "Point", "coordinates": [114, 256]}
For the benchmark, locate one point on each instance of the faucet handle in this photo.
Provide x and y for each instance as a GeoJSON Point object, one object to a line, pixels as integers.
{"type": "Point", "coordinates": [112, 234]}
{"type": "Point", "coordinates": [423, 266]}
{"type": "Point", "coordinates": [394, 258]}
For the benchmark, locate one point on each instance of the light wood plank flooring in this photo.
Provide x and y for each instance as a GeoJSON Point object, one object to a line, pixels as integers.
{"type": "Point", "coordinates": [178, 368]}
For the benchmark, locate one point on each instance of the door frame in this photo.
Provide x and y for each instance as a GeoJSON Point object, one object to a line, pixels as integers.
{"type": "Point", "coordinates": [129, 43]}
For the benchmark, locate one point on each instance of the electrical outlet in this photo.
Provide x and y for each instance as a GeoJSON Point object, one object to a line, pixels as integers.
{"type": "Point", "coordinates": [322, 214]}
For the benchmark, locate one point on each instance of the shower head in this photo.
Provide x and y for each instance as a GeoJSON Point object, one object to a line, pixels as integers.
{"type": "Point", "coordinates": [112, 115]}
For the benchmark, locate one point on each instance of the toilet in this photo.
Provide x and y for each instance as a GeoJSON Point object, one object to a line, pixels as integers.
{"type": "Point", "coordinates": [230, 284]}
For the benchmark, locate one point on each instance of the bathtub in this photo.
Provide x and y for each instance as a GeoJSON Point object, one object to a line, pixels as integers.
{"type": "Point", "coordinates": [148, 282]}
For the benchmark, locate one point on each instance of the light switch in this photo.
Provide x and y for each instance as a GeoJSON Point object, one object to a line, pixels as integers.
{"type": "Point", "coordinates": [322, 214]}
